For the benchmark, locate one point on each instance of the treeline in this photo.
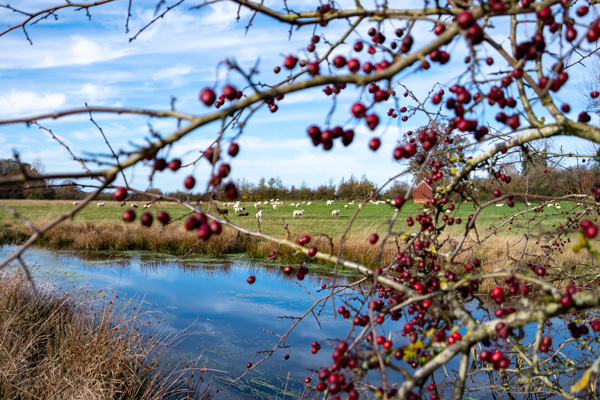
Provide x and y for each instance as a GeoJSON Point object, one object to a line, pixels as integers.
{"type": "Point", "coordinates": [542, 181]}
{"type": "Point", "coordinates": [534, 178]}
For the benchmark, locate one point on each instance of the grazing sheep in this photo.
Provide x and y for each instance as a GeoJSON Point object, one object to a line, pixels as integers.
{"type": "Point", "coordinates": [134, 205]}
{"type": "Point", "coordinates": [550, 205]}
{"type": "Point", "coordinates": [329, 202]}
{"type": "Point", "coordinates": [499, 204]}
{"type": "Point", "coordinates": [260, 215]}
{"type": "Point", "coordinates": [147, 205]}
{"type": "Point", "coordinates": [346, 206]}
{"type": "Point", "coordinates": [309, 203]}
{"type": "Point", "coordinates": [557, 205]}
{"type": "Point", "coordinates": [101, 204]}
{"type": "Point", "coordinates": [335, 213]}
{"type": "Point", "coordinates": [266, 202]}
{"type": "Point", "coordinates": [528, 203]}
{"type": "Point", "coordinates": [75, 203]}
{"type": "Point", "coordinates": [299, 213]}
{"type": "Point", "coordinates": [239, 209]}
{"type": "Point", "coordinates": [274, 206]}
{"type": "Point", "coordinates": [360, 206]}
{"type": "Point", "coordinates": [243, 214]}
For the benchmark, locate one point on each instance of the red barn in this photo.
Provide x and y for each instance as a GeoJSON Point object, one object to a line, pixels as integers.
{"type": "Point", "coordinates": [422, 193]}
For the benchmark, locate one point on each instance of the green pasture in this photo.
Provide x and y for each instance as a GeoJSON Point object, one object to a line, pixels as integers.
{"type": "Point", "coordinates": [317, 217]}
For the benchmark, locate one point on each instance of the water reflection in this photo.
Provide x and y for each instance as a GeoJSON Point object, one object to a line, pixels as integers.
{"type": "Point", "coordinates": [226, 321]}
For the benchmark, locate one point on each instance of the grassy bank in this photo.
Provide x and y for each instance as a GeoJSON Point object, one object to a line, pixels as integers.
{"type": "Point", "coordinates": [58, 345]}
{"type": "Point", "coordinates": [102, 229]}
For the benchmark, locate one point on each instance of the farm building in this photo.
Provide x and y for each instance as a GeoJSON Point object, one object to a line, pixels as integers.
{"type": "Point", "coordinates": [422, 193]}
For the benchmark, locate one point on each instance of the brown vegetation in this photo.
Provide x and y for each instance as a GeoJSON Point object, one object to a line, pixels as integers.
{"type": "Point", "coordinates": [59, 345]}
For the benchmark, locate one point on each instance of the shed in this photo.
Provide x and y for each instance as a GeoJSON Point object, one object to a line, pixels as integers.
{"type": "Point", "coordinates": [422, 193]}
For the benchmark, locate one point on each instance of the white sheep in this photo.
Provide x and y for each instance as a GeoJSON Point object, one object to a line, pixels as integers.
{"type": "Point", "coordinates": [299, 213]}
{"type": "Point", "coordinates": [101, 204]}
{"type": "Point", "coordinates": [335, 212]}
{"type": "Point", "coordinates": [309, 203]}
{"type": "Point", "coordinates": [346, 206]}
{"type": "Point", "coordinates": [75, 203]}
{"type": "Point", "coordinates": [239, 209]}
{"type": "Point", "coordinates": [499, 204]}
{"type": "Point", "coordinates": [329, 202]}
{"type": "Point", "coordinates": [260, 215]}
{"type": "Point", "coordinates": [528, 203]}
{"type": "Point", "coordinates": [134, 205]}
{"type": "Point", "coordinates": [557, 205]}
{"type": "Point", "coordinates": [550, 205]}
{"type": "Point", "coordinates": [147, 205]}
{"type": "Point", "coordinates": [274, 206]}
{"type": "Point", "coordinates": [266, 202]}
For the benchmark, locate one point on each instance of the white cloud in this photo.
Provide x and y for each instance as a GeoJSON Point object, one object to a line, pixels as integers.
{"type": "Point", "coordinates": [18, 103]}
{"type": "Point", "coordinates": [95, 94]}
{"type": "Point", "coordinates": [174, 73]}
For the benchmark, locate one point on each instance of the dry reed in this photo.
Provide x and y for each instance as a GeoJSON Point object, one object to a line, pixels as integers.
{"type": "Point", "coordinates": [60, 345]}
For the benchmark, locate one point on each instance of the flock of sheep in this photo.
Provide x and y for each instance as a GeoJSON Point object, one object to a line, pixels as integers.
{"type": "Point", "coordinates": [276, 204]}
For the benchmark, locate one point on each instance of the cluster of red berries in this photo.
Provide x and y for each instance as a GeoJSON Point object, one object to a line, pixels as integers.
{"type": "Point", "coordinates": [326, 136]}
{"type": "Point", "coordinates": [204, 228]}
{"type": "Point", "coordinates": [229, 92]}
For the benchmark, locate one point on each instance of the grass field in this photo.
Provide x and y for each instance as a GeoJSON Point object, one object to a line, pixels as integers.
{"type": "Point", "coordinates": [317, 217]}
{"type": "Point", "coordinates": [102, 228]}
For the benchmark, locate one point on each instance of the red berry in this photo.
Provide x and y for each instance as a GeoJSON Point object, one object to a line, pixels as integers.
{"type": "Point", "coordinates": [465, 19]}
{"type": "Point", "coordinates": [207, 96]}
{"type": "Point", "coordinates": [372, 121]}
{"type": "Point", "coordinates": [191, 223]}
{"type": "Point", "coordinates": [374, 238]}
{"type": "Point", "coordinates": [120, 194]}
{"type": "Point", "coordinates": [251, 279]}
{"type": "Point", "coordinates": [374, 144]}
{"type": "Point", "coordinates": [234, 149]}
{"type": "Point", "coordinates": [189, 182]}
{"type": "Point", "coordinates": [204, 231]}
{"type": "Point", "coordinates": [163, 217]}
{"type": "Point", "coordinates": [229, 92]}
{"type": "Point", "coordinates": [358, 110]}
{"type": "Point", "coordinates": [146, 219]}
{"type": "Point", "coordinates": [128, 215]}
{"type": "Point", "coordinates": [398, 201]}
{"type": "Point", "coordinates": [290, 62]}
{"type": "Point", "coordinates": [174, 164]}
{"type": "Point", "coordinates": [215, 227]}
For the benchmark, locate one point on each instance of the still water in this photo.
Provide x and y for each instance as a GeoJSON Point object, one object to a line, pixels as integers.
{"type": "Point", "coordinates": [227, 321]}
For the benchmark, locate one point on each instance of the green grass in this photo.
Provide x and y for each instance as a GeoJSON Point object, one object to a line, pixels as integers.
{"type": "Point", "coordinates": [317, 217]}
{"type": "Point", "coordinates": [102, 229]}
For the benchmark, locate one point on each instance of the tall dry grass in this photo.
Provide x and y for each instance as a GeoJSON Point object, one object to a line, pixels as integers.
{"type": "Point", "coordinates": [496, 252]}
{"type": "Point", "coordinates": [59, 345]}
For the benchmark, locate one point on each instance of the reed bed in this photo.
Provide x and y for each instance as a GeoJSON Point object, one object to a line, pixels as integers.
{"type": "Point", "coordinates": [58, 344]}
{"type": "Point", "coordinates": [496, 252]}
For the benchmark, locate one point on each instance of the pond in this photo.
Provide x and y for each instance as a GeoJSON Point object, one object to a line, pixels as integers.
{"type": "Point", "coordinates": [227, 321]}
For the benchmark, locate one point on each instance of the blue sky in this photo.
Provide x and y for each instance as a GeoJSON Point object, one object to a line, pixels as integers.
{"type": "Point", "coordinates": [73, 61]}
